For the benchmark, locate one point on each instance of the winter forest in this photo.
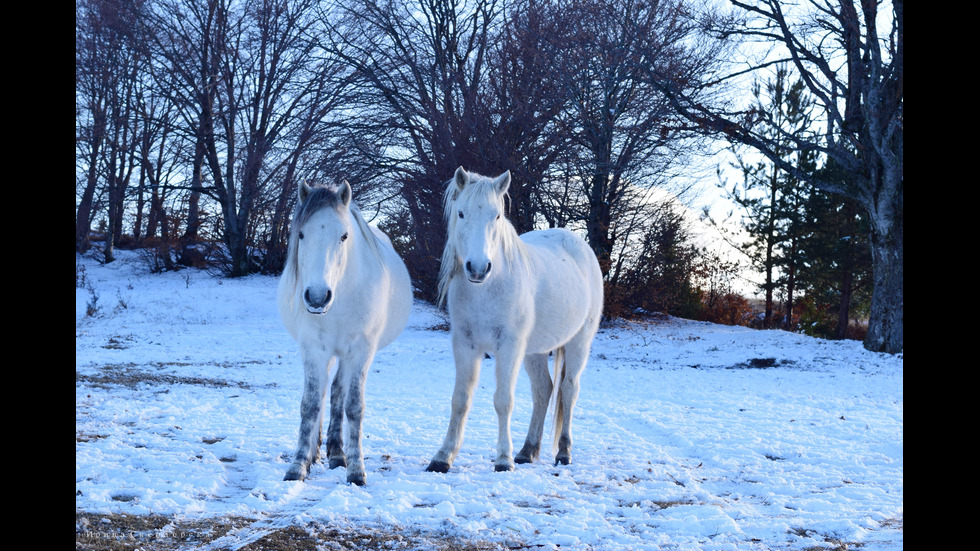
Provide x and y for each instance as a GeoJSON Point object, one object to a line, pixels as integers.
{"type": "Point", "coordinates": [197, 120]}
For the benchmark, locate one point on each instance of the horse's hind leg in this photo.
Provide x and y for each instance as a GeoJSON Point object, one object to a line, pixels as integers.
{"type": "Point", "coordinates": [536, 366]}
{"type": "Point", "coordinates": [576, 356]}
{"type": "Point", "coordinates": [335, 430]}
{"type": "Point", "coordinates": [316, 368]}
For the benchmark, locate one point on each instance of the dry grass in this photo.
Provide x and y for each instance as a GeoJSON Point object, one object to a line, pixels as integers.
{"type": "Point", "coordinates": [120, 532]}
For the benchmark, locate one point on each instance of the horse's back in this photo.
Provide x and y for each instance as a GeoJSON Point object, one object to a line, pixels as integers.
{"type": "Point", "coordinates": [562, 254]}
{"type": "Point", "coordinates": [400, 291]}
{"type": "Point", "coordinates": [390, 287]}
{"type": "Point", "coordinates": [568, 294]}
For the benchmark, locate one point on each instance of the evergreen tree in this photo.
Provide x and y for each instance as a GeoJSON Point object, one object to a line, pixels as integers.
{"type": "Point", "coordinates": [653, 272]}
{"type": "Point", "coordinates": [837, 281]}
{"type": "Point", "coordinates": [773, 199]}
{"type": "Point", "coordinates": [851, 57]}
{"type": "Point", "coordinates": [791, 236]}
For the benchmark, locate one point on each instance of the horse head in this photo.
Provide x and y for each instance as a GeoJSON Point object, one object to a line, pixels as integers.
{"type": "Point", "coordinates": [321, 231]}
{"type": "Point", "coordinates": [475, 226]}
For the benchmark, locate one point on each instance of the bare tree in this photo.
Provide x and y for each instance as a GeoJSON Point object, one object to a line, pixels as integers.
{"type": "Point", "coordinates": [623, 129]}
{"type": "Point", "coordinates": [108, 61]}
{"type": "Point", "coordinates": [854, 70]}
{"type": "Point", "coordinates": [252, 84]}
{"type": "Point", "coordinates": [421, 65]}
{"type": "Point", "coordinates": [92, 93]}
{"type": "Point", "coordinates": [321, 148]}
{"type": "Point", "coordinates": [522, 127]}
{"type": "Point", "coordinates": [160, 151]}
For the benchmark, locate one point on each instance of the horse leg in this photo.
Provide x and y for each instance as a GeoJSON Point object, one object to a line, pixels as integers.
{"type": "Point", "coordinates": [508, 363]}
{"type": "Point", "coordinates": [467, 372]}
{"type": "Point", "coordinates": [355, 376]}
{"type": "Point", "coordinates": [536, 366]}
{"type": "Point", "coordinates": [335, 430]}
{"type": "Point", "coordinates": [576, 356]}
{"type": "Point", "coordinates": [316, 371]}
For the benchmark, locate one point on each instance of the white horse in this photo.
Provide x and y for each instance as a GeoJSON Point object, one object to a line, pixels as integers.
{"type": "Point", "coordinates": [344, 294]}
{"type": "Point", "coordinates": [517, 298]}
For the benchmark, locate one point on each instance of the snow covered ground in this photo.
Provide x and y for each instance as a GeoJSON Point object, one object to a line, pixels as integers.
{"type": "Point", "coordinates": [688, 435]}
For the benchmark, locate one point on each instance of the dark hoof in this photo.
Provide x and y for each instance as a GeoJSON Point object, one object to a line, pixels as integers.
{"type": "Point", "coordinates": [337, 462]}
{"type": "Point", "coordinates": [438, 467]}
{"type": "Point", "coordinates": [521, 460]}
{"type": "Point", "coordinates": [502, 468]}
{"type": "Point", "coordinates": [562, 460]}
{"type": "Point", "coordinates": [295, 473]}
{"type": "Point", "coordinates": [357, 480]}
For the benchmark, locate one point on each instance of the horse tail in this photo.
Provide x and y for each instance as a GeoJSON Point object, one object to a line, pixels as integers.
{"type": "Point", "coordinates": [559, 412]}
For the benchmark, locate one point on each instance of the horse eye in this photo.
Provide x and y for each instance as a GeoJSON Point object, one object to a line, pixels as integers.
{"type": "Point", "coordinates": [460, 214]}
{"type": "Point", "coordinates": [301, 235]}
{"type": "Point", "coordinates": [498, 217]}
{"type": "Point", "coordinates": [343, 237]}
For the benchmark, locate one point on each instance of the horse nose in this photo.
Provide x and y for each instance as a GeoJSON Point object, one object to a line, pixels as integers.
{"type": "Point", "coordinates": [477, 274]}
{"type": "Point", "coordinates": [317, 300]}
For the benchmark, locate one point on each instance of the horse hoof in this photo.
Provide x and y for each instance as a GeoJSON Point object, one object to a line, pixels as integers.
{"type": "Point", "coordinates": [295, 472]}
{"type": "Point", "coordinates": [337, 462]}
{"type": "Point", "coordinates": [562, 460]}
{"type": "Point", "coordinates": [520, 460]}
{"type": "Point", "coordinates": [502, 468]}
{"type": "Point", "coordinates": [438, 467]}
{"type": "Point", "coordinates": [356, 479]}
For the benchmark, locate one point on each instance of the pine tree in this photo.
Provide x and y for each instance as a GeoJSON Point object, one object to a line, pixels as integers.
{"type": "Point", "coordinates": [773, 200]}
{"type": "Point", "coordinates": [838, 279]}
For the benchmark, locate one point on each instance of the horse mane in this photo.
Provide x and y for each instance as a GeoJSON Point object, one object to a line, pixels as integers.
{"type": "Point", "coordinates": [513, 248]}
{"type": "Point", "coordinates": [371, 238]}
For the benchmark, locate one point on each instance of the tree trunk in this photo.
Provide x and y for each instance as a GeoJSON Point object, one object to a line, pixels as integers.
{"type": "Point", "coordinates": [83, 218]}
{"type": "Point", "coordinates": [887, 320]}
{"type": "Point", "coordinates": [156, 218]}
{"type": "Point", "coordinates": [597, 225]}
{"type": "Point", "coordinates": [844, 310]}
{"type": "Point", "coordinates": [194, 199]}
{"type": "Point", "coordinates": [771, 238]}
{"type": "Point", "coordinates": [847, 274]}
{"type": "Point", "coordinates": [788, 323]}
{"type": "Point", "coordinates": [140, 208]}
{"type": "Point", "coordinates": [235, 240]}
{"type": "Point", "coordinates": [238, 250]}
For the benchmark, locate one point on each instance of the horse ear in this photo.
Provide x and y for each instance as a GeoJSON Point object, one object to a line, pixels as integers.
{"type": "Point", "coordinates": [304, 191]}
{"type": "Point", "coordinates": [344, 193]}
{"type": "Point", "coordinates": [461, 178]}
{"type": "Point", "coordinates": [502, 183]}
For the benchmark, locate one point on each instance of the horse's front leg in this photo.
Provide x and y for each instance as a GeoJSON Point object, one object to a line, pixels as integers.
{"type": "Point", "coordinates": [316, 371]}
{"type": "Point", "coordinates": [467, 372]}
{"type": "Point", "coordinates": [508, 363]}
{"type": "Point", "coordinates": [354, 370]}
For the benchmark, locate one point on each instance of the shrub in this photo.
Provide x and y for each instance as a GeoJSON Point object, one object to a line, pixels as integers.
{"type": "Point", "coordinates": [726, 308]}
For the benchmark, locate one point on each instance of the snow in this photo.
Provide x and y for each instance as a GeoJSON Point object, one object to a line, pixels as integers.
{"type": "Point", "coordinates": [688, 435]}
